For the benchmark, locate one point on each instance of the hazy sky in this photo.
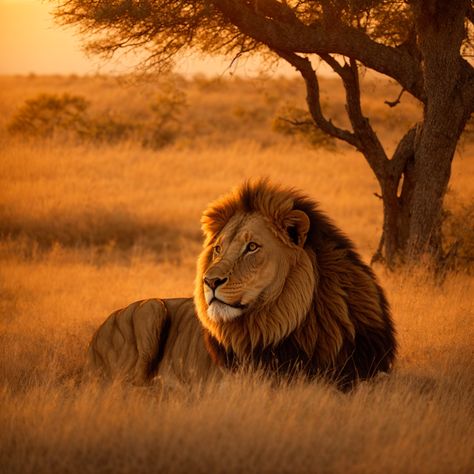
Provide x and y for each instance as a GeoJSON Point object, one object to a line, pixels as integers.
{"type": "Point", "coordinates": [31, 42]}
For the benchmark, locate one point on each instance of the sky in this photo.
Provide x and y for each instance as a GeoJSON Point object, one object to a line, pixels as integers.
{"type": "Point", "coordinates": [31, 42]}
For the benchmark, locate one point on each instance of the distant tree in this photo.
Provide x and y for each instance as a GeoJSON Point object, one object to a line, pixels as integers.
{"type": "Point", "coordinates": [422, 44]}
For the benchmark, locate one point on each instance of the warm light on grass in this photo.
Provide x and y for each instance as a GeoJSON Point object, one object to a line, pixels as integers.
{"type": "Point", "coordinates": [419, 419]}
{"type": "Point", "coordinates": [88, 229]}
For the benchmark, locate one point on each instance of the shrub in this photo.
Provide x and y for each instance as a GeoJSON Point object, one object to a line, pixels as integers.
{"type": "Point", "coordinates": [109, 129]}
{"type": "Point", "coordinates": [166, 123]}
{"type": "Point", "coordinates": [48, 114]}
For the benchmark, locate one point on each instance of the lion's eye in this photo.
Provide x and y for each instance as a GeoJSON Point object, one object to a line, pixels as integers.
{"type": "Point", "coordinates": [251, 247]}
{"type": "Point", "coordinates": [217, 249]}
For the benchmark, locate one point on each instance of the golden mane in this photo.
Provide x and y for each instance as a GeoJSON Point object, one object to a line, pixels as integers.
{"type": "Point", "coordinates": [347, 305]}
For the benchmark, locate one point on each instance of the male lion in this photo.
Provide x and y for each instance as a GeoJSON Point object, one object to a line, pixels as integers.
{"type": "Point", "coordinates": [278, 287]}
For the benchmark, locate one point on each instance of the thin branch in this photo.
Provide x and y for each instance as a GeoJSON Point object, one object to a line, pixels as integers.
{"type": "Point", "coordinates": [237, 56]}
{"type": "Point", "coordinates": [297, 123]}
{"type": "Point", "coordinates": [393, 103]}
{"type": "Point", "coordinates": [303, 65]}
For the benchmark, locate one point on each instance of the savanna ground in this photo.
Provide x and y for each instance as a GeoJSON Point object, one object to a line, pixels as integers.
{"type": "Point", "coordinates": [91, 222]}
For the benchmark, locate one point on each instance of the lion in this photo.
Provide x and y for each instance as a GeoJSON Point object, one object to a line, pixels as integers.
{"type": "Point", "coordinates": [278, 288]}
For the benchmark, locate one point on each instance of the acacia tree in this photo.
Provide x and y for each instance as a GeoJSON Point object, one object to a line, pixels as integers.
{"type": "Point", "coordinates": [422, 44]}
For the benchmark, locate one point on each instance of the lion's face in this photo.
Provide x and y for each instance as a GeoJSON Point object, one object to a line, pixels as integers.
{"type": "Point", "coordinates": [248, 266]}
{"type": "Point", "coordinates": [255, 279]}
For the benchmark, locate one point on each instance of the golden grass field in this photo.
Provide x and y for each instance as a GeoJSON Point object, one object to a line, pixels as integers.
{"type": "Point", "coordinates": [86, 228]}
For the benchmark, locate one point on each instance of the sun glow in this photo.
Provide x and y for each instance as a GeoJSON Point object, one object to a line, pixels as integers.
{"type": "Point", "coordinates": [32, 42]}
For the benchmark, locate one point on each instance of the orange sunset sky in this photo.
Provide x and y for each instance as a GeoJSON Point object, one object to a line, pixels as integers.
{"type": "Point", "coordinates": [31, 42]}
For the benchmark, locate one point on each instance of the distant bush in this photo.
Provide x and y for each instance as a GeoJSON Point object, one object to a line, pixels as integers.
{"type": "Point", "coordinates": [109, 129]}
{"type": "Point", "coordinates": [48, 114]}
{"type": "Point", "coordinates": [167, 117]}
{"type": "Point", "coordinates": [295, 122]}
{"type": "Point", "coordinates": [254, 114]}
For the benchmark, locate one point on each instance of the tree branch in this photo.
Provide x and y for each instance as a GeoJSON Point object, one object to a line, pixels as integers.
{"type": "Point", "coordinates": [369, 144]}
{"type": "Point", "coordinates": [303, 65]}
{"type": "Point", "coordinates": [393, 103]}
{"type": "Point", "coordinates": [297, 123]}
{"type": "Point", "coordinates": [404, 151]}
{"type": "Point", "coordinates": [285, 32]}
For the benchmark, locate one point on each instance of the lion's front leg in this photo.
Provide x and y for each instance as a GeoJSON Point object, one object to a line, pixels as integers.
{"type": "Point", "coordinates": [129, 343]}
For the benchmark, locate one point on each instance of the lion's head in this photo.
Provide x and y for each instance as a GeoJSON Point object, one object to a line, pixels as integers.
{"type": "Point", "coordinates": [255, 274]}
{"type": "Point", "coordinates": [274, 268]}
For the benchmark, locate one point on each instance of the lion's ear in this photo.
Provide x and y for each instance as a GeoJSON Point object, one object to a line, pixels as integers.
{"type": "Point", "coordinates": [297, 225]}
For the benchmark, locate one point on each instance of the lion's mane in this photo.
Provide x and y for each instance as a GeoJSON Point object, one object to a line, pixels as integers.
{"type": "Point", "coordinates": [347, 332]}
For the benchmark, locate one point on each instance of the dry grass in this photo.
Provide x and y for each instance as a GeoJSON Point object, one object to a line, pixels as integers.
{"type": "Point", "coordinates": [85, 230]}
{"type": "Point", "coordinates": [215, 111]}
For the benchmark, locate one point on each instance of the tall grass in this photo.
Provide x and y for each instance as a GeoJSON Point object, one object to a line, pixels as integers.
{"type": "Point", "coordinates": [86, 229]}
{"type": "Point", "coordinates": [419, 419]}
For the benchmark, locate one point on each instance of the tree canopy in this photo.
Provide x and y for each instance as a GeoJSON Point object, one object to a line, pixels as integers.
{"type": "Point", "coordinates": [378, 33]}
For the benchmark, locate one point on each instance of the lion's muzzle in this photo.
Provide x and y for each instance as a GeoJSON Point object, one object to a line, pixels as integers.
{"type": "Point", "coordinates": [219, 308]}
{"type": "Point", "coordinates": [213, 283]}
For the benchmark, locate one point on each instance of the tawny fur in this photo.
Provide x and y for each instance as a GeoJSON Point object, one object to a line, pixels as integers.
{"type": "Point", "coordinates": [320, 313]}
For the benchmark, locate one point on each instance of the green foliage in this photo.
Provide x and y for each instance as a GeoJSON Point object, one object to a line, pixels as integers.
{"type": "Point", "coordinates": [296, 122]}
{"type": "Point", "coordinates": [49, 114]}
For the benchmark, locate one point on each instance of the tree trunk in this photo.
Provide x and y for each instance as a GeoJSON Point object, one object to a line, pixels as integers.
{"type": "Point", "coordinates": [433, 159]}
{"type": "Point", "coordinates": [412, 219]}
{"type": "Point", "coordinates": [397, 193]}
{"type": "Point", "coordinates": [413, 200]}
{"type": "Point", "coordinates": [440, 29]}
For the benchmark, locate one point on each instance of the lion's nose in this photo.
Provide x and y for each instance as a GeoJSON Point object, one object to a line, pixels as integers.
{"type": "Point", "coordinates": [213, 283]}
